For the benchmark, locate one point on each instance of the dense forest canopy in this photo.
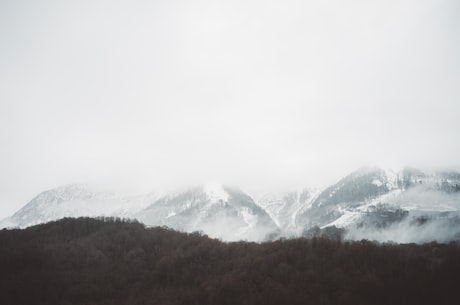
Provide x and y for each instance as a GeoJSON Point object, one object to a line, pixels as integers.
{"type": "Point", "coordinates": [113, 261]}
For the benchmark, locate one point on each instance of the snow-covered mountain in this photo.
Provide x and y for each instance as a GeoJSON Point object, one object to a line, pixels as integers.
{"type": "Point", "coordinates": [351, 191]}
{"type": "Point", "coordinates": [217, 210]}
{"type": "Point", "coordinates": [75, 201]}
{"type": "Point", "coordinates": [283, 207]}
{"type": "Point", "coordinates": [407, 205]}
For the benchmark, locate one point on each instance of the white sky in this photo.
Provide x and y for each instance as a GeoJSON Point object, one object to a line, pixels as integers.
{"type": "Point", "coordinates": [143, 95]}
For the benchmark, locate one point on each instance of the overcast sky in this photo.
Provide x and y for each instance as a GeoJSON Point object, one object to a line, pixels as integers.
{"type": "Point", "coordinates": [142, 95]}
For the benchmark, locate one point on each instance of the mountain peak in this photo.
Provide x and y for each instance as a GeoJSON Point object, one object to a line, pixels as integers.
{"type": "Point", "coordinates": [215, 191]}
{"type": "Point", "coordinates": [66, 192]}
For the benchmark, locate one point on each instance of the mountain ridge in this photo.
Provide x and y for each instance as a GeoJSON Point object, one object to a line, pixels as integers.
{"type": "Point", "coordinates": [369, 195]}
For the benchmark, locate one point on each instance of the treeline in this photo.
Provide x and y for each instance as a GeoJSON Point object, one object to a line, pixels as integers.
{"type": "Point", "coordinates": [115, 261]}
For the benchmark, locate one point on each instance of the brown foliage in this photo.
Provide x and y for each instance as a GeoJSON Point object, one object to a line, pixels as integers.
{"type": "Point", "coordinates": [114, 261]}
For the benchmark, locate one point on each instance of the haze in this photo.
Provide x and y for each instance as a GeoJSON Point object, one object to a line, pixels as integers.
{"type": "Point", "coordinates": [266, 95]}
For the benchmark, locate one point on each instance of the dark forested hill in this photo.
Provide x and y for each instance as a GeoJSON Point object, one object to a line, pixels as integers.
{"type": "Point", "coordinates": [95, 261]}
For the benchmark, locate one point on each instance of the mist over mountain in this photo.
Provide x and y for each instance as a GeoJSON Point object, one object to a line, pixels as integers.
{"type": "Point", "coordinates": [75, 201]}
{"type": "Point", "coordinates": [284, 206]}
{"type": "Point", "coordinates": [210, 152]}
{"type": "Point", "coordinates": [407, 205]}
{"type": "Point", "coordinates": [217, 210]}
